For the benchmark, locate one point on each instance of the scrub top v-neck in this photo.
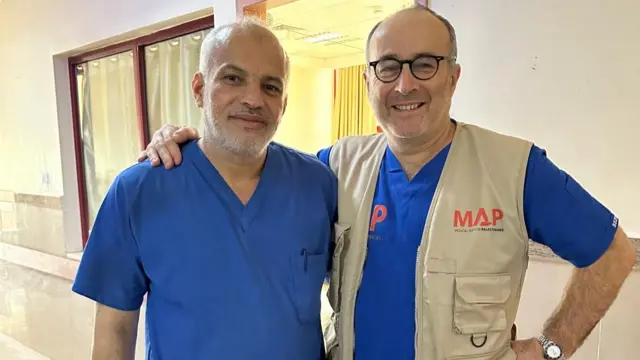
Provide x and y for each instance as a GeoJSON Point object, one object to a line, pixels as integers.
{"type": "Point", "coordinates": [242, 213]}
{"type": "Point", "coordinates": [223, 280]}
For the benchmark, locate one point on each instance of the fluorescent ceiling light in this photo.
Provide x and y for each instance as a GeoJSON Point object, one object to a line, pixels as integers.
{"type": "Point", "coordinates": [322, 37]}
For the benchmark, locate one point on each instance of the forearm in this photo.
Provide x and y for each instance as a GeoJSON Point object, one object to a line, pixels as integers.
{"type": "Point", "coordinates": [590, 293]}
{"type": "Point", "coordinates": [115, 334]}
{"type": "Point", "coordinates": [116, 346]}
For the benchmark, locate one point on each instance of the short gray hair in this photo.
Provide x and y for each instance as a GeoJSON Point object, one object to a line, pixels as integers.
{"type": "Point", "coordinates": [453, 40]}
{"type": "Point", "coordinates": [215, 36]}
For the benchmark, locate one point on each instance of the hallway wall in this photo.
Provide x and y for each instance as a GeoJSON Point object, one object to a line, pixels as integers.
{"type": "Point", "coordinates": [563, 74]}
{"type": "Point", "coordinates": [616, 337]}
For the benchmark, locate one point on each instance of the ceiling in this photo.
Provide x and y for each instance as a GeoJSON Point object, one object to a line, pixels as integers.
{"type": "Point", "coordinates": [329, 33]}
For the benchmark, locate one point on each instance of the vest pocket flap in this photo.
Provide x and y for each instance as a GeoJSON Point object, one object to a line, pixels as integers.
{"type": "Point", "coordinates": [479, 304]}
{"type": "Point", "coordinates": [485, 289]}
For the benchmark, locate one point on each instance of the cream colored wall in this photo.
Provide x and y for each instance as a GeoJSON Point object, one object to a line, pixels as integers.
{"type": "Point", "coordinates": [306, 124]}
{"type": "Point", "coordinates": [32, 32]}
{"type": "Point", "coordinates": [561, 73]}
{"type": "Point", "coordinates": [617, 335]}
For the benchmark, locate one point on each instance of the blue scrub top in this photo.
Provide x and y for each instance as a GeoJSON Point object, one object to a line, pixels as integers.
{"type": "Point", "coordinates": [558, 213]}
{"type": "Point", "coordinates": [223, 280]}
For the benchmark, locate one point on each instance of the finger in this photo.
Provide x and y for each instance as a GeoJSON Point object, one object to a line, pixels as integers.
{"type": "Point", "coordinates": [165, 131]}
{"type": "Point", "coordinates": [193, 132]}
{"type": "Point", "coordinates": [181, 136]}
{"type": "Point", "coordinates": [143, 156]}
{"type": "Point", "coordinates": [152, 154]}
{"type": "Point", "coordinates": [164, 154]}
{"type": "Point", "coordinates": [185, 134]}
{"type": "Point", "coordinates": [173, 149]}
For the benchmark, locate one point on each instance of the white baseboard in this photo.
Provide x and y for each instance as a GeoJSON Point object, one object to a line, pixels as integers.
{"type": "Point", "coordinates": [63, 267]}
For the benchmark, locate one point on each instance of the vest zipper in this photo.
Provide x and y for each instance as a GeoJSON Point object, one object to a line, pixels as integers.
{"type": "Point", "coordinates": [420, 271]}
{"type": "Point", "coordinates": [418, 304]}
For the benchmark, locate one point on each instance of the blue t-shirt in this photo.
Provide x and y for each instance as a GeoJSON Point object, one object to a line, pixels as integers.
{"type": "Point", "coordinates": [558, 212]}
{"type": "Point", "coordinates": [223, 280]}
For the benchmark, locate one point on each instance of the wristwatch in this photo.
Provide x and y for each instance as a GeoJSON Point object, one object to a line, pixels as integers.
{"type": "Point", "coordinates": [550, 350]}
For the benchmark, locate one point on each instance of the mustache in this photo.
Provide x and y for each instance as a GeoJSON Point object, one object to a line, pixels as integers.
{"type": "Point", "coordinates": [411, 97]}
{"type": "Point", "coordinates": [250, 114]}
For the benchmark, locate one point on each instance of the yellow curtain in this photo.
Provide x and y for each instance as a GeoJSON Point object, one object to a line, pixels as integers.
{"type": "Point", "coordinates": [352, 114]}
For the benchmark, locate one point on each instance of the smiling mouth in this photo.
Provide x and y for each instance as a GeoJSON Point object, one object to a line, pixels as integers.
{"type": "Point", "coordinates": [408, 107]}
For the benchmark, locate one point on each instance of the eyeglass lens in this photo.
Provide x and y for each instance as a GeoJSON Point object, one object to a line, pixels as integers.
{"type": "Point", "coordinates": [423, 68]}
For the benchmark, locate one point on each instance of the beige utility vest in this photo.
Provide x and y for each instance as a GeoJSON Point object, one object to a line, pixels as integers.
{"type": "Point", "coordinates": [473, 255]}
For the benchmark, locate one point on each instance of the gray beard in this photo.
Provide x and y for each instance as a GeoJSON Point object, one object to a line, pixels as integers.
{"type": "Point", "coordinates": [217, 135]}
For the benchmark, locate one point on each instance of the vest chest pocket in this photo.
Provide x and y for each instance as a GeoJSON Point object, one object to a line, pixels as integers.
{"type": "Point", "coordinates": [479, 316]}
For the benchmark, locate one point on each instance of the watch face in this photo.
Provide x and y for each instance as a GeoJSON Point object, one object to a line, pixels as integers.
{"type": "Point", "coordinates": [554, 352]}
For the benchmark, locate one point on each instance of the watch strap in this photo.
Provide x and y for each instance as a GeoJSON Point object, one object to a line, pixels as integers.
{"type": "Point", "coordinates": [546, 343]}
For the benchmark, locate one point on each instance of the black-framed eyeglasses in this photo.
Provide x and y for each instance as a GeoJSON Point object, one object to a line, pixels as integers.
{"type": "Point", "coordinates": [422, 68]}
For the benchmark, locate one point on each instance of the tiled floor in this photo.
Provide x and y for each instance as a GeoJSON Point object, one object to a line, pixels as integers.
{"type": "Point", "coordinates": [13, 350]}
{"type": "Point", "coordinates": [41, 319]}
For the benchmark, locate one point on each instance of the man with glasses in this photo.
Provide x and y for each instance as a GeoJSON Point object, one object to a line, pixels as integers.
{"type": "Point", "coordinates": [435, 215]}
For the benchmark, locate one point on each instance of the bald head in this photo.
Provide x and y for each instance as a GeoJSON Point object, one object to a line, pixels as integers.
{"type": "Point", "coordinates": [411, 101]}
{"type": "Point", "coordinates": [419, 14]}
{"type": "Point", "coordinates": [247, 27]}
{"type": "Point", "coordinates": [241, 86]}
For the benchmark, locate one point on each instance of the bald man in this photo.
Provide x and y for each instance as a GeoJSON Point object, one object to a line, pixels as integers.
{"type": "Point", "coordinates": [231, 248]}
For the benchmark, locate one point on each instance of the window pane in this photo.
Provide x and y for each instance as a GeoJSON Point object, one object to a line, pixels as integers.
{"type": "Point", "coordinates": [170, 66]}
{"type": "Point", "coordinates": [108, 120]}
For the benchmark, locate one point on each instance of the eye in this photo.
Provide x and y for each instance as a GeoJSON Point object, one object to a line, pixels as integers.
{"type": "Point", "coordinates": [272, 89]}
{"type": "Point", "coordinates": [425, 63]}
{"type": "Point", "coordinates": [232, 78]}
{"type": "Point", "coordinates": [388, 66]}
{"type": "Point", "coordinates": [425, 66]}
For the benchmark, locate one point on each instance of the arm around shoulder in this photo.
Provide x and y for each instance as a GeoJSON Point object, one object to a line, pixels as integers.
{"type": "Point", "coordinates": [323, 155]}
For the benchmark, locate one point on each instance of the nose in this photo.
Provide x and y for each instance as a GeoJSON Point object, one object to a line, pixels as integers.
{"type": "Point", "coordinates": [253, 97]}
{"type": "Point", "coordinates": [406, 82]}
